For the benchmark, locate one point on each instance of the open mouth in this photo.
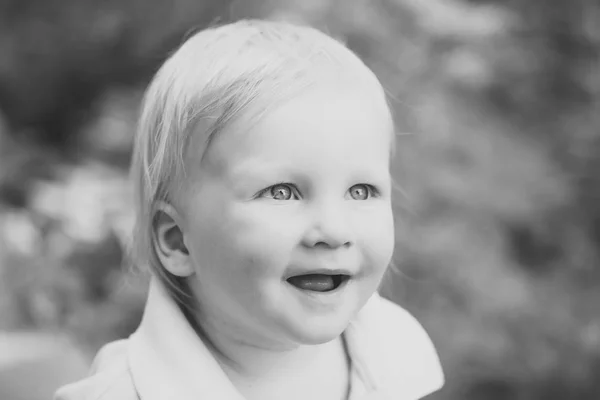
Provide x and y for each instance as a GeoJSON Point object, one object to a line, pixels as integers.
{"type": "Point", "coordinates": [318, 282]}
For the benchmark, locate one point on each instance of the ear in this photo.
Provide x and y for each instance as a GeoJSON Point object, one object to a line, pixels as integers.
{"type": "Point", "coordinates": [168, 241]}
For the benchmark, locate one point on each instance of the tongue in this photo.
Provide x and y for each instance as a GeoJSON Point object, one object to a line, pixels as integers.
{"type": "Point", "coordinates": [314, 282]}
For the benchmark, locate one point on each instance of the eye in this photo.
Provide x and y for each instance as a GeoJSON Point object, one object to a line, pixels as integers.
{"type": "Point", "coordinates": [281, 191]}
{"type": "Point", "coordinates": [362, 191]}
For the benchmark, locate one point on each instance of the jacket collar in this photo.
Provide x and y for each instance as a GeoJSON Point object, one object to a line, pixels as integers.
{"type": "Point", "coordinates": [159, 356]}
{"type": "Point", "coordinates": [161, 366]}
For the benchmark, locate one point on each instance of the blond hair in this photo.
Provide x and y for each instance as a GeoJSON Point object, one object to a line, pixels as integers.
{"type": "Point", "coordinates": [215, 76]}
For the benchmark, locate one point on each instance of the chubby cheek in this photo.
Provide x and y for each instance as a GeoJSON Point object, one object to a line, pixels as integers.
{"type": "Point", "coordinates": [263, 240]}
{"type": "Point", "coordinates": [376, 241]}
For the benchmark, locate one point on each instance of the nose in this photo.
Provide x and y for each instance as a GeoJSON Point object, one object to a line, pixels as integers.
{"type": "Point", "coordinates": [330, 227]}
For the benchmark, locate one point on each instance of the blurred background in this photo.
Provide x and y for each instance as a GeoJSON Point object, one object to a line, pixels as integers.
{"type": "Point", "coordinates": [498, 232]}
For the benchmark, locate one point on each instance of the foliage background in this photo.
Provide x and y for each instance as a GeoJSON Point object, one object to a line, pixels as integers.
{"type": "Point", "coordinates": [498, 234]}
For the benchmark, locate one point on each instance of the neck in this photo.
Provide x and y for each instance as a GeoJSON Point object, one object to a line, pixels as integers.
{"type": "Point", "coordinates": [243, 359]}
{"type": "Point", "coordinates": [295, 373]}
{"type": "Point", "coordinates": [253, 360]}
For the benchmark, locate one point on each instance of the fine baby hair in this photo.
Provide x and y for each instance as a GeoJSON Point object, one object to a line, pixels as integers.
{"type": "Point", "coordinates": [217, 76]}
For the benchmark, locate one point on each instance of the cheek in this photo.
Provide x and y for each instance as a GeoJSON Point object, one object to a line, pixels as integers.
{"type": "Point", "coordinates": [262, 238]}
{"type": "Point", "coordinates": [377, 237]}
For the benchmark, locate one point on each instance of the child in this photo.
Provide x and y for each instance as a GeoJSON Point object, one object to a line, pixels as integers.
{"type": "Point", "coordinates": [264, 211]}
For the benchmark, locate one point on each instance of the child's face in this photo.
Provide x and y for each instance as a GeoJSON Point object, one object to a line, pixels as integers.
{"type": "Point", "coordinates": [306, 191]}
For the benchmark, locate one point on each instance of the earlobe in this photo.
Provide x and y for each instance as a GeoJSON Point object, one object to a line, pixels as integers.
{"type": "Point", "coordinates": [169, 242]}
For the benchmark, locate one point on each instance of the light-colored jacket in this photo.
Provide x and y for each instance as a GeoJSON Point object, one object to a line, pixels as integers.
{"type": "Point", "coordinates": [392, 357]}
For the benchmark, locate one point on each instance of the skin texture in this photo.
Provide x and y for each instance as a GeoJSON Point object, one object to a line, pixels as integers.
{"type": "Point", "coordinates": [245, 232]}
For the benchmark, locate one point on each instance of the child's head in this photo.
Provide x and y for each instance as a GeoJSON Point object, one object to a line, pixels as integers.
{"type": "Point", "coordinates": [263, 191]}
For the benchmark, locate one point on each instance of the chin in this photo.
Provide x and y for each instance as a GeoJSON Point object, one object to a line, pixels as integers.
{"type": "Point", "coordinates": [318, 332]}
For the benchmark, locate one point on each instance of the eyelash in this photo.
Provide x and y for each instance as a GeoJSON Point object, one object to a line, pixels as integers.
{"type": "Point", "coordinates": [372, 190]}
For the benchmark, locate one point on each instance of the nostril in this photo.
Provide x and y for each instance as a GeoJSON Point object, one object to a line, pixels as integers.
{"type": "Point", "coordinates": [331, 244]}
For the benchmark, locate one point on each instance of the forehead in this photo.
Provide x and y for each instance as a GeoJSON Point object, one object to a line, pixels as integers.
{"type": "Point", "coordinates": [334, 115]}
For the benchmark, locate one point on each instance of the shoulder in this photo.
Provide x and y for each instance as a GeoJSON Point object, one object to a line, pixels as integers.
{"type": "Point", "coordinates": [403, 351]}
{"type": "Point", "coordinates": [109, 377]}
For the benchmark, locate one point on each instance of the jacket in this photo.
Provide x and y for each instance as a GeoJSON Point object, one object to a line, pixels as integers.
{"type": "Point", "coordinates": [392, 357]}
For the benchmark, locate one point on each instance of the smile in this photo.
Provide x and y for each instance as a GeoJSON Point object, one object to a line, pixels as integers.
{"type": "Point", "coordinates": [322, 283]}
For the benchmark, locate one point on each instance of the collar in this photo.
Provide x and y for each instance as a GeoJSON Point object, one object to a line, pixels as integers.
{"type": "Point", "coordinates": [159, 356]}
{"type": "Point", "coordinates": [162, 368]}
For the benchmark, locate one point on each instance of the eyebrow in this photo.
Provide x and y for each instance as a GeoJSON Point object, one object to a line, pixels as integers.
{"type": "Point", "coordinates": [253, 166]}
{"type": "Point", "coordinates": [261, 170]}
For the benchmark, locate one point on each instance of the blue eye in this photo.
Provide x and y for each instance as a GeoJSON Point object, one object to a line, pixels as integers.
{"type": "Point", "coordinates": [281, 192]}
{"type": "Point", "coordinates": [361, 191]}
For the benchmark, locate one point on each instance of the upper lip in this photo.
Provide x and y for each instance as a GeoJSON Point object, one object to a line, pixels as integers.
{"type": "Point", "coordinates": [317, 271]}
